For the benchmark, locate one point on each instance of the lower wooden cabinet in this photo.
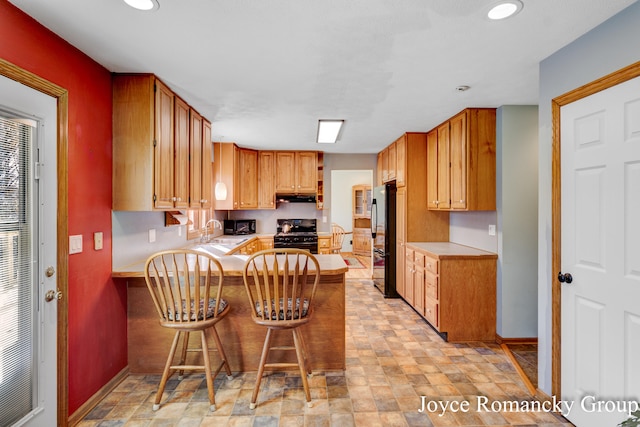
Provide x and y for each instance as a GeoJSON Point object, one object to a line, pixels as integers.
{"type": "Point", "coordinates": [454, 288]}
{"type": "Point", "coordinates": [265, 242]}
{"type": "Point", "coordinates": [324, 244]}
{"type": "Point", "coordinates": [362, 241]}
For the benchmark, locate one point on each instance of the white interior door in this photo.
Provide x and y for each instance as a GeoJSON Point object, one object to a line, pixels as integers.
{"type": "Point", "coordinates": [600, 155]}
{"type": "Point", "coordinates": [28, 212]}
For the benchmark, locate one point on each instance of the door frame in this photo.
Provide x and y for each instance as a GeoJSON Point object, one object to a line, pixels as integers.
{"type": "Point", "coordinates": [33, 81]}
{"type": "Point", "coordinates": [617, 77]}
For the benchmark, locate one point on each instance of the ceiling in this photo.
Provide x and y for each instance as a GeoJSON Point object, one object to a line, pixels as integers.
{"type": "Point", "coordinates": [264, 72]}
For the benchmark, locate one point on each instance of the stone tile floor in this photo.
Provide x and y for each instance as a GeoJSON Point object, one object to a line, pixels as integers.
{"type": "Point", "coordinates": [396, 364]}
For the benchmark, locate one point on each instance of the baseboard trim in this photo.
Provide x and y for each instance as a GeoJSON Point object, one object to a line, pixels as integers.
{"type": "Point", "coordinates": [500, 340]}
{"type": "Point", "coordinates": [94, 400]}
{"type": "Point", "coordinates": [523, 376]}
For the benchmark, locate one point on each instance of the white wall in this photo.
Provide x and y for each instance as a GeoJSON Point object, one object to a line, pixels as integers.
{"type": "Point", "coordinates": [609, 47]}
{"type": "Point", "coordinates": [517, 209]}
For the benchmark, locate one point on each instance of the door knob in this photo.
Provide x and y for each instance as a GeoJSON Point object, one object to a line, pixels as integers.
{"type": "Point", "coordinates": [51, 295]}
{"type": "Point", "coordinates": [564, 278]}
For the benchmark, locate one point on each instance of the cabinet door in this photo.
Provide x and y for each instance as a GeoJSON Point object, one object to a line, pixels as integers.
{"type": "Point", "coordinates": [367, 201]}
{"type": "Point", "coordinates": [181, 148]}
{"type": "Point", "coordinates": [392, 162]}
{"type": "Point", "coordinates": [285, 172]}
{"type": "Point", "coordinates": [432, 170]}
{"type": "Point", "coordinates": [224, 164]}
{"type": "Point", "coordinates": [401, 160]}
{"type": "Point", "coordinates": [418, 282]}
{"type": "Point", "coordinates": [164, 148]}
{"type": "Point", "coordinates": [358, 201]}
{"type": "Point", "coordinates": [409, 294]}
{"type": "Point", "coordinates": [266, 180]}
{"type": "Point", "coordinates": [248, 178]}
{"type": "Point", "coordinates": [306, 171]}
{"type": "Point", "coordinates": [458, 153]}
{"type": "Point", "coordinates": [401, 238]}
{"type": "Point", "coordinates": [385, 165]}
{"type": "Point", "coordinates": [207, 168]}
{"type": "Point", "coordinates": [195, 149]}
{"type": "Point", "coordinates": [444, 195]}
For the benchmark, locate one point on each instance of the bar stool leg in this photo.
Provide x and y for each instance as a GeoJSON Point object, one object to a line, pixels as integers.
{"type": "Point", "coordinates": [263, 361]}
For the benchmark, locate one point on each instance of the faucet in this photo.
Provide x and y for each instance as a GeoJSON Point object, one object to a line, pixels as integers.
{"type": "Point", "coordinates": [205, 238]}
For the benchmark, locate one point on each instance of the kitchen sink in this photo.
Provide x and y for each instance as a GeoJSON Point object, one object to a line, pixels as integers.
{"type": "Point", "coordinates": [226, 241]}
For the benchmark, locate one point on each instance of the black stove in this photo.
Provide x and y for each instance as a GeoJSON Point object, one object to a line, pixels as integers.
{"type": "Point", "coordinates": [296, 233]}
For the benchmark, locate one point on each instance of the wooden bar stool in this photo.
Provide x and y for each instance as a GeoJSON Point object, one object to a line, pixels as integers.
{"type": "Point", "coordinates": [186, 289]}
{"type": "Point", "coordinates": [281, 284]}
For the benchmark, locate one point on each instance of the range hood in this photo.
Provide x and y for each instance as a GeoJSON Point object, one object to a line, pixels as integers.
{"type": "Point", "coordinates": [295, 198]}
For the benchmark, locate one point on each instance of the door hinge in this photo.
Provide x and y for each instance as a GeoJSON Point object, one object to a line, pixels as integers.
{"type": "Point", "coordinates": [36, 170]}
{"type": "Point", "coordinates": [155, 143]}
{"type": "Point", "coordinates": [154, 198]}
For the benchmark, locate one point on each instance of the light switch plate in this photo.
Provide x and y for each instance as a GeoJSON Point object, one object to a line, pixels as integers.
{"type": "Point", "coordinates": [152, 235]}
{"type": "Point", "coordinates": [492, 230]}
{"type": "Point", "coordinates": [75, 244]}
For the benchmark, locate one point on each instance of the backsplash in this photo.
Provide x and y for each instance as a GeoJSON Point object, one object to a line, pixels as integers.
{"type": "Point", "coordinates": [130, 230]}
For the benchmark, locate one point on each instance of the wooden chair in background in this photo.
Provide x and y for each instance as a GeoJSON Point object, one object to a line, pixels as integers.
{"type": "Point", "coordinates": [186, 289]}
{"type": "Point", "coordinates": [280, 285]}
{"type": "Point", "coordinates": [337, 237]}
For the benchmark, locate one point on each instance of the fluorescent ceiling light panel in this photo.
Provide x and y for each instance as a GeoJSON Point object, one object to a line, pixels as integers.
{"type": "Point", "coordinates": [143, 4]}
{"type": "Point", "coordinates": [504, 9]}
{"type": "Point", "coordinates": [328, 131]}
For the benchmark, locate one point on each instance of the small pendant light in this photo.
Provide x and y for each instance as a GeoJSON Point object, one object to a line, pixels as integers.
{"type": "Point", "coordinates": [221, 187]}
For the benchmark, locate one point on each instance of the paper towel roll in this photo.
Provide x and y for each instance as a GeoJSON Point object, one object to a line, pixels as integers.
{"type": "Point", "coordinates": [182, 218]}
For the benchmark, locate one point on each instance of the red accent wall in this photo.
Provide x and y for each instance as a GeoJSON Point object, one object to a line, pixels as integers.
{"type": "Point", "coordinates": [97, 327]}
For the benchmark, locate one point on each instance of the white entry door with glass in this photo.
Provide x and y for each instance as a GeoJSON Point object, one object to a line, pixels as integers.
{"type": "Point", "coordinates": [28, 211]}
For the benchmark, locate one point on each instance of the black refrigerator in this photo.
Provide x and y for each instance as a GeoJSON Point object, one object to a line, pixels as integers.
{"type": "Point", "coordinates": [383, 234]}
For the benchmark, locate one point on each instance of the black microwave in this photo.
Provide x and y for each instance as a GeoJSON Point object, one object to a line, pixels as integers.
{"type": "Point", "coordinates": [239, 226]}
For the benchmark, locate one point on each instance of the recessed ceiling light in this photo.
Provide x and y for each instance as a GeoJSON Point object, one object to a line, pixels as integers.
{"type": "Point", "coordinates": [146, 5]}
{"type": "Point", "coordinates": [328, 131]}
{"type": "Point", "coordinates": [504, 9]}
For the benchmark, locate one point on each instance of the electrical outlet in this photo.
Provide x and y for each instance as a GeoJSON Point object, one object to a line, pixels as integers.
{"type": "Point", "coordinates": [97, 240]}
{"type": "Point", "coordinates": [492, 230]}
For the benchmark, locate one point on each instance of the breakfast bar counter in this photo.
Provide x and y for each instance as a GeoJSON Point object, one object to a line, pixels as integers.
{"type": "Point", "coordinates": [148, 342]}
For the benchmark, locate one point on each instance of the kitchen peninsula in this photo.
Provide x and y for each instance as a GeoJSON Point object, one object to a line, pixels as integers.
{"type": "Point", "coordinates": [148, 343]}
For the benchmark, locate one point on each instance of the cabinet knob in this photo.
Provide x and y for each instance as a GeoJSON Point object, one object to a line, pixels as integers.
{"type": "Point", "coordinates": [461, 201]}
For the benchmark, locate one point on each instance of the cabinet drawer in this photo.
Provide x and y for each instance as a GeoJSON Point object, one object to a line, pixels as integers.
{"type": "Point", "coordinates": [431, 264]}
{"type": "Point", "coordinates": [408, 253]}
{"type": "Point", "coordinates": [418, 258]}
{"type": "Point", "coordinates": [431, 313]}
{"type": "Point", "coordinates": [431, 285]}
{"type": "Point", "coordinates": [323, 243]}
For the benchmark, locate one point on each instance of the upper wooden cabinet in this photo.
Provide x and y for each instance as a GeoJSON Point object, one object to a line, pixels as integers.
{"type": "Point", "coordinates": [181, 147]}
{"type": "Point", "coordinates": [207, 166]}
{"type": "Point", "coordinates": [200, 155]}
{"type": "Point", "coordinates": [247, 179]}
{"type": "Point", "coordinates": [267, 180]}
{"type": "Point", "coordinates": [401, 160]}
{"type": "Point", "coordinates": [151, 145]}
{"type": "Point", "coordinates": [465, 158]}
{"type": "Point", "coordinates": [361, 201]}
{"type": "Point", "coordinates": [296, 172]}
{"type": "Point", "coordinates": [238, 169]}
